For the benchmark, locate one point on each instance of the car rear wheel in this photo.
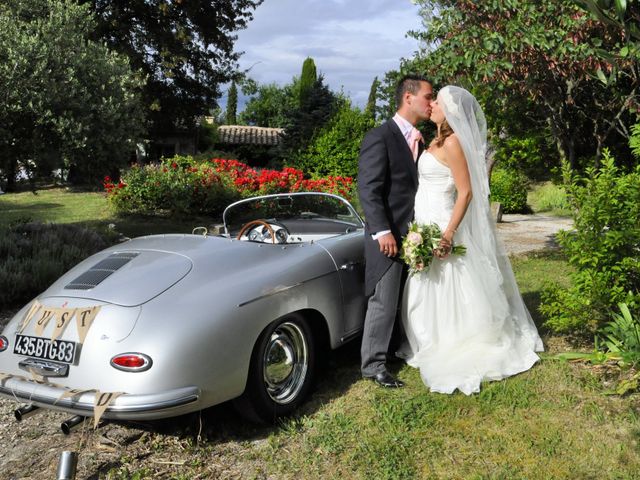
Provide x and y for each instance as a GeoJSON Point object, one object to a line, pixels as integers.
{"type": "Point", "coordinates": [281, 371]}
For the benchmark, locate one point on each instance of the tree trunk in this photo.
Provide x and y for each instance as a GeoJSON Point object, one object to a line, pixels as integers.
{"type": "Point", "coordinates": [12, 167]}
{"type": "Point", "coordinates": [491, 160]}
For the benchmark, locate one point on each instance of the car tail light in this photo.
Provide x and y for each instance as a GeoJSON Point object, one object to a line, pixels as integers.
{"type": "Point", "coordinates": [131, 362]}
{"type": "Point", "coordinates": [4, 343]}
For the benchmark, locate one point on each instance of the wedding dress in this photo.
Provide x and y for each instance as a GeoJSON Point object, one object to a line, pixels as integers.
{"type": "Point", "coordinates": [464, 317]}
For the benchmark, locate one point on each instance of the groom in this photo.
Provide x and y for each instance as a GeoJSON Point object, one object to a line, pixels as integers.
{"type": "Point", "coordinates": [387, 184]}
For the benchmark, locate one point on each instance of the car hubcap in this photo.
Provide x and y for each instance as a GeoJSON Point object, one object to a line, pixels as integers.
{"type": "Point", "coordinates": [285, 363]}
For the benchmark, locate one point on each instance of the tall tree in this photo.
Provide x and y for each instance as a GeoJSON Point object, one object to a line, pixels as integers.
{"type": "Point", "coordinates": [308, 79]}
{"type": "Point", "coordinates": [271, 105]}
{"type": "Point", "coordinates": [65, 101]}
{"type": "Point", "coordinates": [540, 53]}
{"type": "Point", "coordinates": [184, 48]}
{"type": "Point", "coordinates": [232, 104]}
{"type": "Point", "coordinates": [316, 109]}
{"type": "Point", "coordinates": [370, 109]}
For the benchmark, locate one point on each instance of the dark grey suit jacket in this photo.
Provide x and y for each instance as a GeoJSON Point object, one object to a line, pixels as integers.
{"type": "Point", "coordinates": [387, 185]}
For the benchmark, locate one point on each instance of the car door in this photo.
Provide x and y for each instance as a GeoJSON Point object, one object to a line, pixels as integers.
{"type": "Point", "coordinates": [347, 252]}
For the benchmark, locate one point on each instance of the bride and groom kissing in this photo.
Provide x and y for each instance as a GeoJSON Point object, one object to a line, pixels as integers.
{"type": "Point", "coordinates": [463, 317]}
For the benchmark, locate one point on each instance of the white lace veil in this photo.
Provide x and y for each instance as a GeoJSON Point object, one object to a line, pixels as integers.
{"type": "Point", "coordinates": [466, 118]}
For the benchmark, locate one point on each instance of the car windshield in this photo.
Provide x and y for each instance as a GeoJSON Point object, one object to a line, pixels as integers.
{"type": "Point", "coordinates": [319, 212]}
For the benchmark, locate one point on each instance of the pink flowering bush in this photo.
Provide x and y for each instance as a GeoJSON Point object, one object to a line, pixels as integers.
{"type": "Point", "coordinates": [181, 185]}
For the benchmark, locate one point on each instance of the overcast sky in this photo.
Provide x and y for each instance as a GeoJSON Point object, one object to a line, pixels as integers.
{"type": "Point", "coordinates": [351, 41]}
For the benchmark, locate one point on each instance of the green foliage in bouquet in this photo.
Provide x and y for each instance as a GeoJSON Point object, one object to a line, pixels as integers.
{"type": "Point", "coordinates": [420, 245]}
{"type": "Point", "coordinates": [604, 248]}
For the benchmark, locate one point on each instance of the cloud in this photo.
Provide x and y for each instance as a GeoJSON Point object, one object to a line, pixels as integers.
{"type": "Point", "coordinates": [351, 41]}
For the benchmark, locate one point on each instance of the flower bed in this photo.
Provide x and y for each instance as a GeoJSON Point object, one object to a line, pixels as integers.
{"type": "Point", "coordinates": [182, 185]}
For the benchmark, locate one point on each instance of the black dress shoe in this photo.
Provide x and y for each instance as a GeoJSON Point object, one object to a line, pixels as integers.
{"type": "Point", "coordinates": [386, 380]}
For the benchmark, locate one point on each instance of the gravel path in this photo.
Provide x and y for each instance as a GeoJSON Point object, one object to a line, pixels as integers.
{"type": "Point", "coordinates": [31, 449]}
{"type": "Point", "coordinates": [526, 233]}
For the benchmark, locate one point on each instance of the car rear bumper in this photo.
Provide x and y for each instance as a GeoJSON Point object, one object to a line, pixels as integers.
{"type": "Point", "coordinates": [168, 403]}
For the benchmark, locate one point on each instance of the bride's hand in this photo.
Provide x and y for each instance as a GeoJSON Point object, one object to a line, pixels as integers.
{"type": "Point", "coordinates": [441, 251]}
{"type": "Point", "coordinates": [444, 247]}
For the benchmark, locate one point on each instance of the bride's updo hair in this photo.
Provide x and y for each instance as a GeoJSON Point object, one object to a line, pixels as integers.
{"type": "Point", "coordinates": [445, 131]}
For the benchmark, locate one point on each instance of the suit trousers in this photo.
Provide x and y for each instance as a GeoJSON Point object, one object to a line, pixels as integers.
{"type": "Point", "coordinates": [379, 321]}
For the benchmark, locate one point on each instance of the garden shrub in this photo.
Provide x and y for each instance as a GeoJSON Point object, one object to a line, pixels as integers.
{"type": "Point", "coordinates": [182, 185]}
{"type": "Point", "coordinates": [604, 248]}
{"type": "Point", "coordinates": [335, 149]}
{"type": "Point", "coordinates": [34, 255]}
{"type": "Point", "coordinates": [509, 187]}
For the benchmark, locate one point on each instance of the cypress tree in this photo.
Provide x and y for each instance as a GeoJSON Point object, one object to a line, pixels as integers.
{"type": "Point", "coordinates": [308, 79]}
{"type": "Point", "coordinates": [232, 104]}
{"type": "Point", "coordinates": [370, 109]}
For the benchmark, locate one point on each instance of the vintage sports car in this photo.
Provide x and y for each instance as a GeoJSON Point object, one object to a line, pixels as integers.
{"type": "Point", "coordinates": [164, 325]}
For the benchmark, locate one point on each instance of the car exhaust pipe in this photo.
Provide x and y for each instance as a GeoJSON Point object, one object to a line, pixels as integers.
{"type": "Point", "coordinates": [26, 411]}
{"type": "Point", "coordinates": [71, 424]}
{"type": "Point", "coordinates": [67, 466]}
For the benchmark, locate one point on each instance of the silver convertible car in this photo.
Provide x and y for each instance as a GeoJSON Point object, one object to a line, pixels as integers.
{"type": "Point", "coordinates": [165, 325]}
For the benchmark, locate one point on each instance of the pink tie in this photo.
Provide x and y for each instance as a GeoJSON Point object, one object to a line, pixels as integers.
{"type": "Point", "coordinates": [414, 141]}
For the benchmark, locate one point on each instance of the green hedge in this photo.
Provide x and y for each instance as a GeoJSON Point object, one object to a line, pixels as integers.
{"type": "Point", "coordinates": [509, 187]}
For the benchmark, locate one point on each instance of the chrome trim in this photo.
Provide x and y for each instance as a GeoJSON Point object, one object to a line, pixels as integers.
{"type": "Point", "coordinates": [285, 363]}
{"type": "Point", "coordinates": [44, 368]}
{"type": "Point", "coordinates": [350, 266]}
{"type": "Point", "coordinates": [127, 406]}
{"type": "Point", "coordinates": [148, 363]}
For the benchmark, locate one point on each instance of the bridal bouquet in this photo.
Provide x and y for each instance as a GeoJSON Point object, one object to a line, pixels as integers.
{"type": "Point", "coordinates": [420, 245]}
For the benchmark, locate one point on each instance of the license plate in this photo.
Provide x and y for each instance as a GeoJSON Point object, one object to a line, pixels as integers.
{"type": "Point", "coordinates": [58, 350]}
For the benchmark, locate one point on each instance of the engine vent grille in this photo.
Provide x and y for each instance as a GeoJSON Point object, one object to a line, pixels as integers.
{"type": "Point", "coordinates": [100, 271]}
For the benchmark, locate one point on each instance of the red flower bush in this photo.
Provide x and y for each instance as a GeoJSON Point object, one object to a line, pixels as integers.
{"type": "Point", "coordinates": [182, 185]}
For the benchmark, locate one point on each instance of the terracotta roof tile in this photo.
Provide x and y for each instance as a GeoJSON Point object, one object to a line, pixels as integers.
{"type": "Point", "coordinates": [245, 135]}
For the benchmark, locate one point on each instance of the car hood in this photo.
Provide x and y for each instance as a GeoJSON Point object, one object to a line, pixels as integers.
{"type": "Point", "coordinates": [132, 273]}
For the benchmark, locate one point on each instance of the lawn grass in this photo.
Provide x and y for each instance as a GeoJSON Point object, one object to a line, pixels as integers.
{"type": "Point", "coordinates": [89, 209]}
{"type": "Point", "coordinates": [551, 422]}
{"type": "Point", "coordinates": [546, 198]}
{"type": "Point", "coordinates": [57, 205]}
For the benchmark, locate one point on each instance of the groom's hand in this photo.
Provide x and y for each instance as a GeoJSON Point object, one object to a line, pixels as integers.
{"type": "Point", "coordinates": [388, 245]}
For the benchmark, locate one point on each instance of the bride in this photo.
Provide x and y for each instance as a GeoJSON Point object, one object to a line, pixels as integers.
{"type": "Point", "coordinates": [464, 317]}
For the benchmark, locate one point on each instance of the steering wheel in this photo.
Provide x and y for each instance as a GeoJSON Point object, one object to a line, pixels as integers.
{"type": "Point", "coordinates": [254, 223]}
{"type": "Point", "coordinates": [279, 235]}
